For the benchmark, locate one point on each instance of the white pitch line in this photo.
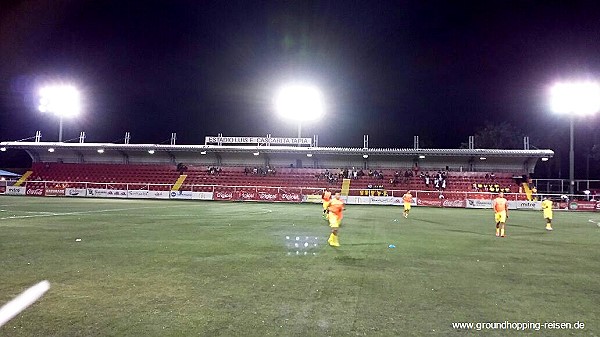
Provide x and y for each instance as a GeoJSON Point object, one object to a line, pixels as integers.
{"type": "Point", "coordinates": [595, 222]}
{"type": "Point", "coordinates": [47, 214]}
{"type": "Point", "coordinates": [21, 302]}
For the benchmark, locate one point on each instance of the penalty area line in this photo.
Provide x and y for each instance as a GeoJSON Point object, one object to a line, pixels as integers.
{"type": "Point", "coordinates": [594, 222]}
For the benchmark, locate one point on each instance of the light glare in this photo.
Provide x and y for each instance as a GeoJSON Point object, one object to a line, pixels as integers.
{"type": "Point", "coordinates": [300, 102]}
{"type": "Point", "coordinates": [578, 98]}
{"type": "Point", "coordinates": [61, 100]}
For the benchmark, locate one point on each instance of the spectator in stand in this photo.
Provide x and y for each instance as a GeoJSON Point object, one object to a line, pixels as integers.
{"type": "Point", "coordinates": [407, 175]}
{"type": "Point", "coordinates": [246, 170]}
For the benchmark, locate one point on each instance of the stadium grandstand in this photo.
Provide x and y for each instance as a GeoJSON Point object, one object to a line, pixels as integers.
{"type": "Point", "coordinates": [280, 169]}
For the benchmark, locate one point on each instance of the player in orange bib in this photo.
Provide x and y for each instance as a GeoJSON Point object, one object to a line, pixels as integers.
{"type": "Point", "coordinates": [500, 206]}
{"type": "Point", "coordinates": [407, 198]}
{"type": "Point", "coordinates": [336, 207]}
{"type": "Point", "coordinates": [326, 198]}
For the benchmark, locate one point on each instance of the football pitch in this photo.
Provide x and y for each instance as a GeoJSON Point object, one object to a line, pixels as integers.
{"type": "Point", "coordinates": [177, 268]}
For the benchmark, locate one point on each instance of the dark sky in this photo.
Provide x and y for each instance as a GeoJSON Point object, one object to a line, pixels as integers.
{"type": "Point", "coordinates": [390, 69]}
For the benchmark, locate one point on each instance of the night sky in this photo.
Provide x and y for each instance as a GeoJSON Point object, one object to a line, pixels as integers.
{"type": "Point", "coordinates": [437, 69]}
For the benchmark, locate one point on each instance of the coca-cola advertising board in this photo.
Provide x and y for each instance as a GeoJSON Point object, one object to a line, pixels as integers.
{"type": "Point", "coordinates": [35, 191]}
{"type": "Point", "coordinates": [454, 203]}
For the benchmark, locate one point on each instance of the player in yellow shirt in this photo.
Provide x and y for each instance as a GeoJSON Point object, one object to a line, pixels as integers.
{"type": "Point", "coordinates": [326, 198]}
{"type": "Point", "coordinates": [407, 199]}
{"type": "Point", "coordinates": [500, 206]}
{"type": "Point", "coordinates": [336, 207]}
{"type": "Point", "coordinates": [547, 208]}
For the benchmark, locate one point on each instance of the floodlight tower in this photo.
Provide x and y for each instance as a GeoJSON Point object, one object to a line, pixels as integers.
{"type": "Point", "coordinates": [62, 101]}
{"type": "Point", "coordinates": [574, 99]}
{"type": "Point", "coordinates": [300, 103]}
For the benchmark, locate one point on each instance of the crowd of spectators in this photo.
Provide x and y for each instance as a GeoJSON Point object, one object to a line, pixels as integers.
{"type": "Point", "coordinates": [260, 171]}
{"type": "Point", "coordinates": [214, 170]}
{"type": "Point", "coordinates": [436, 179]}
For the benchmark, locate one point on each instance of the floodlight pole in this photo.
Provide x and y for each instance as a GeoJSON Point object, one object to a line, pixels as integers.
{"type": "Point", "coordinates": [571, 157]}
{"type": "Point", "coordinates": [60, 128]}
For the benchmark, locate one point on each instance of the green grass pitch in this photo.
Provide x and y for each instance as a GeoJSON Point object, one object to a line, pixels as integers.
{"type": "Point", "coordinates": [176, 268]}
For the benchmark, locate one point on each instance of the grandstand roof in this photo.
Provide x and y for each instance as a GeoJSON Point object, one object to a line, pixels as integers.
{"type": "Point", "coordinates": [44, 146]}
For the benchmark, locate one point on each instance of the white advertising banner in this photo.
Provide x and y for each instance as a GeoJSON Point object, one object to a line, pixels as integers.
{"type": "Point", "coordinates": [202, 195]}
{"type": "Point", "coordinates": [116, 193]}
{"type": "Point", "coordinates": [352, 200]}
{"type": "Point", "coordinates": [75, 192]}
{"type": "Point", "coordinates": [138, 194]}
{"type": "Point", "coordinates": [388, 201]}
{"type": "Point", "coordinates": [180, 195]}
{"type": "Point", "coordinates": [535, 205]}
{"type": "Point", "coordinates": [158, 194]}
{"type": "Point", "coordinates": [15, 190]}
{"type": "Point", "coordinates": [96, 192]}
{"type": "Point", "coordinates": [479, 203]}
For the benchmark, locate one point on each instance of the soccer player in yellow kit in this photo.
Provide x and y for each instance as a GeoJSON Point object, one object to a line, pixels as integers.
{"type": "Point", "coordinates": [500, 206]}
{"type": "Point", "coordinates": [336, 207]}
{"type": "Point", "coordinates": [407, 198]}
{"type": "Point", "coordinates": [547, 208]}
{"type": "Point", "coordinates": [326, 198]}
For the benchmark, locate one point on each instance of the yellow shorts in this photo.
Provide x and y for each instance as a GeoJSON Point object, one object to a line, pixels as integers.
{"type": "Point", "coordinates": [407, 206]}
{"type": "Point", "coordinates": [548, 215]}
{"type": "Point", "coordinates": [500, 216]}
{"type": "Point", "coordinates": [334, 222]}
{"type": "Point", "coordinates": [326, 204]}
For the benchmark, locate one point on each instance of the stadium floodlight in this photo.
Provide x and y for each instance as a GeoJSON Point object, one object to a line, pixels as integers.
{"type": "Point", "coordinates": [544, 158]}
{"type": "Point", "coordinates": [61, 100]}
{"type": "Point", "coordinates": [309, 155]}
{"type": "Point", "coordinates": [256, 153]}
{"type": "Point", "coordinates": [421, 157]}
{"type": "Point", "coordinates": [574, 99]}
{"type": "Point", "coordinates": [100, 150]}
{"type": "Point", "coordinates": [203, 152]}
{"type": "Point", "coordinates": [365, 156]}
{"type": "Point", "coordinates": [300, 103]}
{"type": "Point", "coordinates": [482, 158]}
{"type": "Point", "coordinates": [151, 151]}
{"type": "Point", "coordinates": [51, 150]}
{"type": "Point", "coordinates": [3, 149]}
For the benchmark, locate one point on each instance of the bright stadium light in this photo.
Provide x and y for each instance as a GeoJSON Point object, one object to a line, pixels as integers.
{"type": "Point", "coordinates": [60, 100]}
{"type": "Point", "coordinates": [151, 151]}
{"type": "Point", "coordinates": [51, 150]}
{"type": "Point", "coordinates": [100, 150]}
{"type": "Point", "coordinates": [300, 103]}
{"type": "Point", "coordinates": [3, 149]}
{"type": "Point", "coordinates": [574, 99]}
